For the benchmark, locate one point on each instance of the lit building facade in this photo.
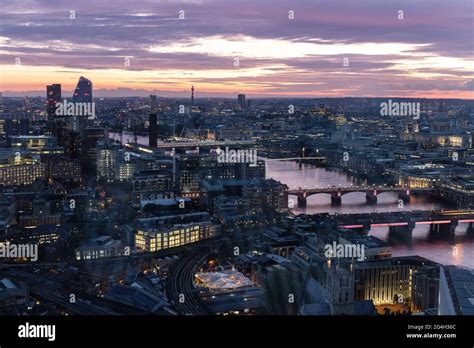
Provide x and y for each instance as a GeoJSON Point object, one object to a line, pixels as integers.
{"type": "Point", "coordinates": [99, 248]}
{"type": "Point", "coordinates": [419, 176]}
{"type": "Point", "coordinates": [107, 159]}
{"type": "Point", "coordinates": [20, 169]}
{"type": "Point", "coordinates": [63, 168]}
{"type": "Point", "coordinates": [152, 240]}
{"type": "Point", "coordinates": [387, 281]}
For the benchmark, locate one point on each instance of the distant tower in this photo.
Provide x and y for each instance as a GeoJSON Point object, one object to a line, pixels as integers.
{"type": "Point", "coordinates": [153, 103]}
{"type": "Point", "coordinates": [57, 125]}
{"type": "Point", "coordinates": [441, 106]}
{"type": "Point", "coordinates": [53, 96]}
{"type": "Point", "coordinates": [153, 130]}
{"type": "Point", "coordinates": [83, 92]}
{"type": "Point", "coordinates": [241, 101]}
{"type": "Point", "coordinates": [192, 95]}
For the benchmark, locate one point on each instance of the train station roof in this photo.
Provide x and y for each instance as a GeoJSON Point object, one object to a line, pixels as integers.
{"type": "Point", "coordinates": [223, 280]}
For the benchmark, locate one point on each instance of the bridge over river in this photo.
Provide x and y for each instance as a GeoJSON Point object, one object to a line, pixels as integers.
{"type": "Point", "coordinates": [441, 222]}
{"type": "Point", "coordinates": [371, 192]}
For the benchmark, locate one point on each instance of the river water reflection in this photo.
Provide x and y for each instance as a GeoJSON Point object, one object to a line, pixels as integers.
{"type": "Point", "coordinates": [459, 251]}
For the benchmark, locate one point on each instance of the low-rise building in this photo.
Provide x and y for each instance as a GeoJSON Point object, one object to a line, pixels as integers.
{"type": "Point", "coordinates": [155, 239]}
{"type": "Point", "coordinates": [458, 190]}
{"type": "Point", "coordinates": [99, 248]}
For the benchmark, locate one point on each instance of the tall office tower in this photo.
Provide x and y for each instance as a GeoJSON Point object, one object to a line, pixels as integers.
{"type": "Point", "coordinates": [192, 95]}
{"type": "Point", "coordinates": [72, 143]}
{"type": "Point", "coordinates": [188, 174]}
{"type": "Point", "coordinates": [83, 92]}
{"type": "Point", "coordinates": [241, 101]}
{"type": "Point", "coordinates": [153, 103]}
{"type": "Point", "coordinates": [108, 157]}
{"type": "Point", "coordinates": [90, 137]}
{"type": "Point", "coordinates": [153, 130]}
{"type": "Point", "coordinates": [56, 123]}
{"type": "Point", "coordinates": [53, 96]}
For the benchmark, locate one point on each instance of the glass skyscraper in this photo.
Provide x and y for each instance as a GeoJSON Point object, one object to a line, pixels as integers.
{"type": "Point", "coordinates": [83, 92]}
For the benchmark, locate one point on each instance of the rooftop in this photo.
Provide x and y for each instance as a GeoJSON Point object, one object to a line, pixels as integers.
{"type": "Point", "coordinates": [462, 285]}
{"type": "Point", "coordinates": [223, 280]}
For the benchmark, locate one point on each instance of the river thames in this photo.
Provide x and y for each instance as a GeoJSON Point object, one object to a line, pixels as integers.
{"type": "Point", "coordinates": [458, 252]}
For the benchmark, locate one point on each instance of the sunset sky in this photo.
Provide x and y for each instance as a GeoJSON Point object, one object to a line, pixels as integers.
{"type": "Point", "coordinates": [429, 53]}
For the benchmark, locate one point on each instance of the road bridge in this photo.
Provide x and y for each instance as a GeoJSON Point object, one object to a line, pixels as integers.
{"type": "Point", "coordinates": [371, 192]}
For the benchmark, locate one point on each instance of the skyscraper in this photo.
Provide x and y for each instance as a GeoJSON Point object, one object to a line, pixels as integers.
{"type": "Point", "coordinates": [83, 92]}
{"type": "Point", "coordinates": [53, 96]}
{"type": "Point", "coordinates": [57, 124]}
{"type": "Point", "coordinates": [241, 101]}
{"type": "Point", "coordinates": [153, 130]}
{"type": "Point", "coordinates": [192, 95]}
{"type": "Point", "coordinates": [153, 103]}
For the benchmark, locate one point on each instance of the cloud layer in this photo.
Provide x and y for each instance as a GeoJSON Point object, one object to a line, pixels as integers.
{"type": "Point", "coordinates": [329, 48]}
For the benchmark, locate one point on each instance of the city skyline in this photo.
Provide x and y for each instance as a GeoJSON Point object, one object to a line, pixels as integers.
{"type": "Point", "coordinates": [173, 160]}
{"type": "Point", "coordinates": [303, 50]}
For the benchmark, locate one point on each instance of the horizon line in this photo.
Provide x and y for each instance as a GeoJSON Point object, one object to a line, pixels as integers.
{"type": "Point", "coordinates": [249, 98]}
